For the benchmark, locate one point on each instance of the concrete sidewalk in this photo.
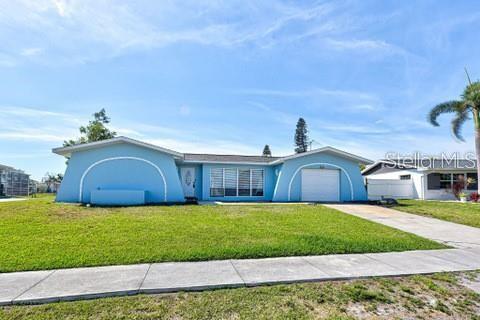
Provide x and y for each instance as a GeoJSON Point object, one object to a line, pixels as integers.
{"type": "Point", "coordinates": [12, 199]}
{"type": "Point", "coordinates": [449, 233]}
{"type": "Point", "coordinates": [86, 283]}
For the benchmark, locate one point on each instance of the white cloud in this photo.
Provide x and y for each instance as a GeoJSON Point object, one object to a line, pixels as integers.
{"type": "Point", "coordinates": [30, 52]}
{"type": "Point", "coordinates": [306, 93]}
{"type": "Point", "coordinates": [27, 134]}
{"type": "Point", "coordinates": [366, 46]}
{"type": "Point", "coordinates": [359, 129]}
{"type": "Point", "coordinates": [60, 6]}
{"type": "Point", "coordinates": [364, 107]}
{"type": "Point", "coordinates": [28, 112]}
{"type": "Point", "coordinates": [39, 125]}
{"type": "Point", "coordinates": [28, 155]}
{"type": "Point", "coordinates": [185, 111]}
{"type": "Point", "coordinates": [358, 44]}
{"type": "Point", "coordinates": [121, 131]}
{"type": "Point", "coordinates": [78, 31]}
{"type": "Point", "coordinates": [7, 61]}
{"type": "Point", "coordinates": [18, 113]}
{"type": "Point", "coordinates": [201, 146]}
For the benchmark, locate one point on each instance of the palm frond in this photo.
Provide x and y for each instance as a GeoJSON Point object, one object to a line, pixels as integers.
{"type": "Point", "coordinates": [457, 123]}
{"type": "Point", "coordinates": [446, 107]}
{"type": "Point", "coordinates": [467, 104]}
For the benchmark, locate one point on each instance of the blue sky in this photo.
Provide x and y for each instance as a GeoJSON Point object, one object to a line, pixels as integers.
{"type": "Point", "coordinates": [230, 77]}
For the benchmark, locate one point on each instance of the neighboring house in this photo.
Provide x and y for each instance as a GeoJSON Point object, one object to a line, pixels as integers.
{"type": "Point", "coordinates": [124, 171]}
{"type": "Point", "coordinates": [428, 179]}
{"type": "Point", "coordinates": [13, 182]}
{"type": "Point", "coordinates": [43, 187]}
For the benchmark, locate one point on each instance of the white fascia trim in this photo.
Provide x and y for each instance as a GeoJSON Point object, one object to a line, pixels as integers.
{"type": "Point", "coordinates": [324, 149]}
{"type": "Point", "coordinates": [370, 166]}
{"type": "Point", "coordinates": [452, 170]}
{"type": "Point", "coordinates": [65, 151]}
{"type": "Point", "coordinates": [227, 162]}
{"type": "Point", "coordinates": [387, 162]}
{"type": "Point", "coordinates": [80, 192]}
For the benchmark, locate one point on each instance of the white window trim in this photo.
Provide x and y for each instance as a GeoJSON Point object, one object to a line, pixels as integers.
{"type": "Point", "coordinates": [238, 183]}
{"type": "Point", "coordinates": [250, 182]}
{"type": "Point", "coordinates": [223, 183]}
{"type": "Point", "coordinates": [451, 180]}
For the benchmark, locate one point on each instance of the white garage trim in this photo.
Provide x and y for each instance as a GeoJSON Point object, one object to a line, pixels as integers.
{"type": "Point", "coordinates": [80, 193]}
{"type": "Point", "coordinates": [320, 164]}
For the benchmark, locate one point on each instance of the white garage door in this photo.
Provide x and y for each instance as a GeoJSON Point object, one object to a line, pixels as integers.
{"type": "Point", "coordinates": [320, 185]}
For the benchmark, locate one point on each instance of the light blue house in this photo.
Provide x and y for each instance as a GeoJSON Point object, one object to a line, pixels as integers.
{"type": "Point", "coordinates": [124, 171]}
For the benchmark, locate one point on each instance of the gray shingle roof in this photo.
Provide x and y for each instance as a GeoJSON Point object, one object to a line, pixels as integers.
{"type": "Point", "coordinates": [4, 167]}
{"type": "Point", "coordinates": [227, 158]}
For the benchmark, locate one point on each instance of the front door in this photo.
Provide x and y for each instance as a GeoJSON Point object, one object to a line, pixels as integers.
{"type": "Point", "coordinates": [188, 181]}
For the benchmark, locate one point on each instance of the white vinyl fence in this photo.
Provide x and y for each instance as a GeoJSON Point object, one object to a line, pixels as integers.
{"type": "Point", "coordinates": [389, 188]}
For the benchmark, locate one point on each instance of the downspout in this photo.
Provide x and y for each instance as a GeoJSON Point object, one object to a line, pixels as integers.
{"type": "Point", "coordinates": [422, 180]}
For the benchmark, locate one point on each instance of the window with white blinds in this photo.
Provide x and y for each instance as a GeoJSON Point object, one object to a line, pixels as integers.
{"type": "Point", "coordinates": [244, 182]}
{"type": "Point", "coordinates": [216, 182]}
{"type": "Point", "coordinates": [234, 182]}
{"type": "Point", "coordinates": [257, 182]}
{"type": "Point", "coordinates": [230, 182]}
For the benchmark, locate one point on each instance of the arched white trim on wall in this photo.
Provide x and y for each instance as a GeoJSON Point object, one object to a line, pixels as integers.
{"type": "Point", "coordinates": [80, 194]}
{"type": "Point", "coordinates": [320, 164]}
{"type": "Point", "coordinates": [276, 185]}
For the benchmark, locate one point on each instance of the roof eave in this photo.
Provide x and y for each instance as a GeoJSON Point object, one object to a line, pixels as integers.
{"type": "Point", "coordinates": [67, 151]}
{"type": "Point", "coordinates": [228, 162]}
{"type": "Point", "coordinates": [344, 154]}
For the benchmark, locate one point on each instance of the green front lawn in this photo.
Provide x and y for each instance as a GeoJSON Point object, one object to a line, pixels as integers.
{"type": "Point", "coordinates": [419, 297]}
{"type": "Point", "coordinates": [39, 234]}
{"type": "Point", "coordinates": [463, 213]}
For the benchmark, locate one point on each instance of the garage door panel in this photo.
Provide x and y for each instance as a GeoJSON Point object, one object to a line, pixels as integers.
{"type": "Point", "coordinates": [320, 185]}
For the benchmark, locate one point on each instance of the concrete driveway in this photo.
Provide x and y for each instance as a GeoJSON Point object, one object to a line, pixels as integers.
{"type": "Point", "coordinates": [449, 233]}
{"type": "Point", "coordinates": [11, 199]}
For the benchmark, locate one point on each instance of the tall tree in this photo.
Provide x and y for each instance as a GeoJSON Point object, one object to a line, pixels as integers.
{"type": "Point", "coordinates": [464, 109]}
{"type": "Point", "coordinates": [266, 151]}
{"type": "Point", "coordinates": [51, 179]}
{"type": "Point", "coordinates": [94, 131]}
{"type": "Point", "coordinates": [301, 136]}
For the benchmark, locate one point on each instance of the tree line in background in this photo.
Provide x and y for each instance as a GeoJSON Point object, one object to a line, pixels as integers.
{"type": "Point", "coordinates": [301, 140]}
{"type": "Point", "coordinates": [96, 130]}
{"type": "Point", "coordinates": [50, 183]}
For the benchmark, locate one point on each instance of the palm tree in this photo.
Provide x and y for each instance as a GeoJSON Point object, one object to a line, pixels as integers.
{"type": "Point", "coordinates": [465, 109]}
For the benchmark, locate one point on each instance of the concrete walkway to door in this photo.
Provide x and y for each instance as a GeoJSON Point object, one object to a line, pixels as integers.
{"type": "Point", "coordinates": [449, 233]}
